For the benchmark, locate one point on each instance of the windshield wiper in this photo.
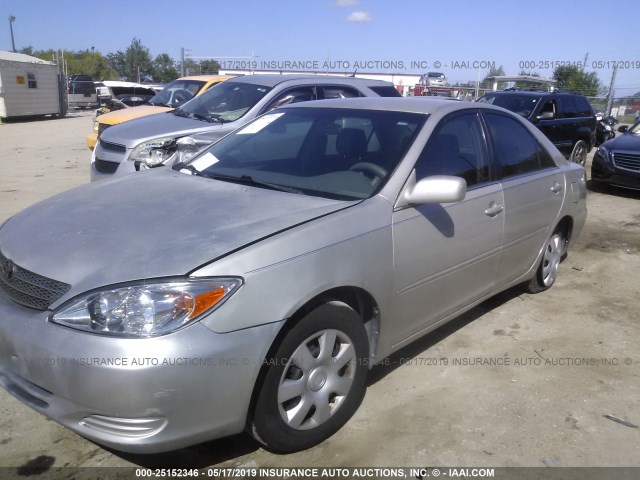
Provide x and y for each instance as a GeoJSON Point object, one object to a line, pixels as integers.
{"type": "Point", "coordinates": [181, 113]}
{"type": "Point", "coordinates": [187, 166]}
{"type": "Point", "coordinates": [247, 180]}
{"type": "Point", "coordinates": [207, 118]}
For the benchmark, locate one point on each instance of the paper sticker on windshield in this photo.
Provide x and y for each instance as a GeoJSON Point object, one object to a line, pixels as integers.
{"type": "Point", "coordinates": [205, 161]}
{"type": "Point", "coordinates": [260, 123]}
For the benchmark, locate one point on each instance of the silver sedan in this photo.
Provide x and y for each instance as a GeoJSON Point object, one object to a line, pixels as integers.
{"type": "Point", "coordinates": [252, 287]}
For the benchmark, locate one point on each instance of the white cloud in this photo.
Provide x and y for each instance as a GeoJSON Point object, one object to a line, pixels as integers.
{"type": "Point", "coordinates": [360, 17]}
{"type": "Point", "coordinates": [345, 3]}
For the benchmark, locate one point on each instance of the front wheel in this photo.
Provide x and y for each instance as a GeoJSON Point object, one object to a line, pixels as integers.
{"type": "Point", "coordinates": [554, 253]}
{"type": "Point", "coordinates": [579, 154]}
{"type": "Point", "coordinates": [314, 382]}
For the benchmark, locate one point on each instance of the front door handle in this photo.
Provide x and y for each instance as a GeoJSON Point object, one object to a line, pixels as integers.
{"type": "Point", "coordinates": [556, 187]}
{"type": "Point", "coordinates": [494, 209]}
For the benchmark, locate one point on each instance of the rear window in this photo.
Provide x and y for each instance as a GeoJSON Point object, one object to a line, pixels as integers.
{"type": "Point", "coordinates": [386, 91]}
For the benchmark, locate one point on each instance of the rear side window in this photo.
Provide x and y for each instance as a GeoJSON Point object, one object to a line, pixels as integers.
{"type": "Point", "coordinates": [386, 91]}
{"type": "Point", "coordinates": [584, 107]}
{"type": "Point", "coordinates": [339, 92]}
{"type": "Point", "coordinates": [568, 107]}
{"type": "Point", "coordinates": [515, 148]}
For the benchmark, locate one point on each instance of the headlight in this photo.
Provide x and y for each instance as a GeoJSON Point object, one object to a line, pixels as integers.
{"type": "Point", "coordinates": [603, 153]}
{"type": "Point", "coordinates": [154, 152]}
{"type": "Point", "coordinates": [96, 127]}
{"type": "Point", "coordinates": [145, 310]}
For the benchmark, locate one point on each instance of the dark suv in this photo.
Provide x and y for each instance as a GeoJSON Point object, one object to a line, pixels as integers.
{"type": "Point", "coordinates": [567, 119]}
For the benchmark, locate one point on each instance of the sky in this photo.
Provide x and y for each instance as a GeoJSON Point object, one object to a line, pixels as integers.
{"type": "Point", "coordinates": [462, 39]}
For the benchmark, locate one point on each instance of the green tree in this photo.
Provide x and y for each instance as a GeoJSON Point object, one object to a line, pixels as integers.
{"type": "Point", "coordinates": [117, 63]}
{"type": "Point", "coordinates": [528, 85]}
{"type": "Point", "coordinates": [164, 69]}
{"type": "Point", "coordinates": [209, 67]}
{"type": "Point", "coordinates": [83, 62]}
{"type": "Point", "coordinates": [493, 72]}
{"type": "Point", "coordinates": [573, 79]}
{"type": "Point", "coordinates": [137, 62]}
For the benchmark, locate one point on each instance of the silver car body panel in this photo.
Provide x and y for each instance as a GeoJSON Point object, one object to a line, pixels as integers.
{"type": "Point", "coordinates": [420, 265]}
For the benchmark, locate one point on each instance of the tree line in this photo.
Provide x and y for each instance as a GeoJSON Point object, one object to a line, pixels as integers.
{"type": "Point", "coordinates": [135, 64]}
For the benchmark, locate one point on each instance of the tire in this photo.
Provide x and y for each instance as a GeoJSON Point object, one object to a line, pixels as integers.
{"type": "Point", "coordinates": [310, 391]}
{"type": "Point", "coordinates": [579, 154]}
{"type": "Point", "coordinates": [554, 252]}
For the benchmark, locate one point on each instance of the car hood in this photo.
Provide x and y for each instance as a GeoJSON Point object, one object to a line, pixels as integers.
{"type": "Point", "coordinates": [134, 132]}
{"type": "Point", "coordinates": [624, 142]}
{"type": "Point", "coordinates": [126, 114]}
{"type": "Point", "coordinates": [152, 224]}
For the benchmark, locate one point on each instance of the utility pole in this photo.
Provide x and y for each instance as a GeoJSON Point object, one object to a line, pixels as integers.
{"type": "Point", "coordinates": [611, 86]}
{"type": "Point", "coordinates": [182, 62]}
{"type": "Point", "coordinates": [13, 43]}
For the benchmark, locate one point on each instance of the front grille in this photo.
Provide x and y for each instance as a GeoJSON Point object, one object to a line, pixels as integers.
{"type": "Point", "coordinates": [104, 166]}
{"type": "Point", "coordinates": [114, 147]}
{"type": "Point", "coordinates": [28, 288]}
{"type": "Point", "coordinates": [627, 161]}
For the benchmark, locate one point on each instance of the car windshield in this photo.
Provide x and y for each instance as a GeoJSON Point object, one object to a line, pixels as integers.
{"type": "Point", "coordinates": [328, 152]}
{"type": "Point", "coordinates": [520, 104]}
{"type": "Point", "coordinates": [185, 88]}
{"type": "Point", "coordinates": [226, 102]}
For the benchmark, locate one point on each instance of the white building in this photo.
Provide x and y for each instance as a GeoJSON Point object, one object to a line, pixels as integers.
{"type": "Point", "coordinates": [28, 86]}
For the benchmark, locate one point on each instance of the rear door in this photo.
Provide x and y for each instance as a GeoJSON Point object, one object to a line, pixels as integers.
{"type": "Point", "coordinates": [533, 187]}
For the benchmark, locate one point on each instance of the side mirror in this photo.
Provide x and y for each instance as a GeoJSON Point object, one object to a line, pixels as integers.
{"type": "Point", "coordinates": [436, 189]}
{"type": "Point", "coordinates": [623, 129]}
{"type": "Point", "coordinates": [546, 116]}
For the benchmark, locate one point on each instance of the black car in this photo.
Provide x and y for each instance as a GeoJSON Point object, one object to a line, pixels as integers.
{"type": "Point", "coordinates": [567, 119]}
{"type": "Point", "coordinates": [617, 162]}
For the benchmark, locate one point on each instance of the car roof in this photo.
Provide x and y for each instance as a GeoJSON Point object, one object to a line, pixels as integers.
{"type": "Point", "coordinates": [271, 80]}
{"type": "Point", "coordinates": [531, 93]}
{"type": "Point", "coordinates": [424, 105]}
{"type": "Point", "coordinates": [206, 78]}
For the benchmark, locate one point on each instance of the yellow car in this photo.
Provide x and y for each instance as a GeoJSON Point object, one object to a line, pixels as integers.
{"type": "Point", "coordinates": [171, 96]}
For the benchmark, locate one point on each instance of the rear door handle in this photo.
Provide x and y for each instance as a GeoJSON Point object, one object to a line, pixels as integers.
{"type": "Point", "coordinates": [556, 187]}
{"type": "Point", "coordinates": [494, 209]}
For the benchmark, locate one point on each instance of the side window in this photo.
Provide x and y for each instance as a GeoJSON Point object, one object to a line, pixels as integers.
{"type": "Point", "coordinates": [568, 107]}
{"type": "Point", "coordinates": [584, 107]}
{"type": "Point", "coordinates": [339, 92]}
{"type": "Point", "coordinates": [514, 147]}
{"type": "Point", "coordinates": [549, 107]}
{"type": "Point", "coordinates": [31, 80]}
{"type": "Point", "coordinates": [294, 95]}
{"type": "Point", "coordinates": [456, 148]}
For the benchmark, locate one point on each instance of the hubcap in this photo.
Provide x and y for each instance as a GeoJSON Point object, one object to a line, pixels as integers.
{"type": "Point", "coordinates": [551, 260]}
{"type": "Point", "coordinates": [316, 379]}
{"type": "Point", "coordinates": [581, 156]}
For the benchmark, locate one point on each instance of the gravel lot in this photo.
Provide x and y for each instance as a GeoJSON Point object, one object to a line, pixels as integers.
{"type": "Point", "coordinates": [570, 356]}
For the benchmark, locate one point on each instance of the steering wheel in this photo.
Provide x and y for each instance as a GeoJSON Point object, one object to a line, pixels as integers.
{"type": "Point", "coordinates": [180, 97]}
{"type": "Point", "coordinates": [376, 172]}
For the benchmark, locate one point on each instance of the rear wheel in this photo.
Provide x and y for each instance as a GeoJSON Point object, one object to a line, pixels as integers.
{"type": "Point", "coordinates": [314, 382]}
{"type": "Point", "coordinates": [554, 253]}
{"type": "Point", "coordinates": [579, 154]}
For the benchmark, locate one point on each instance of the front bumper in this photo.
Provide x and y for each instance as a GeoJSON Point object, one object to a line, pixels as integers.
{"type": "Point", "coordinates": [105, 163]}
{"type": "Point", "coordinates": [91, 140]}
{"type": "Point", "coordinates": [135, 395]}
{"type": "Point", "coordinates": [603, 171]}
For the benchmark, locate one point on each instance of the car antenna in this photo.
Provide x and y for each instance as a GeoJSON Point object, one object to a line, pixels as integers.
{"type": "Point", "coordinates": [354, 73]}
